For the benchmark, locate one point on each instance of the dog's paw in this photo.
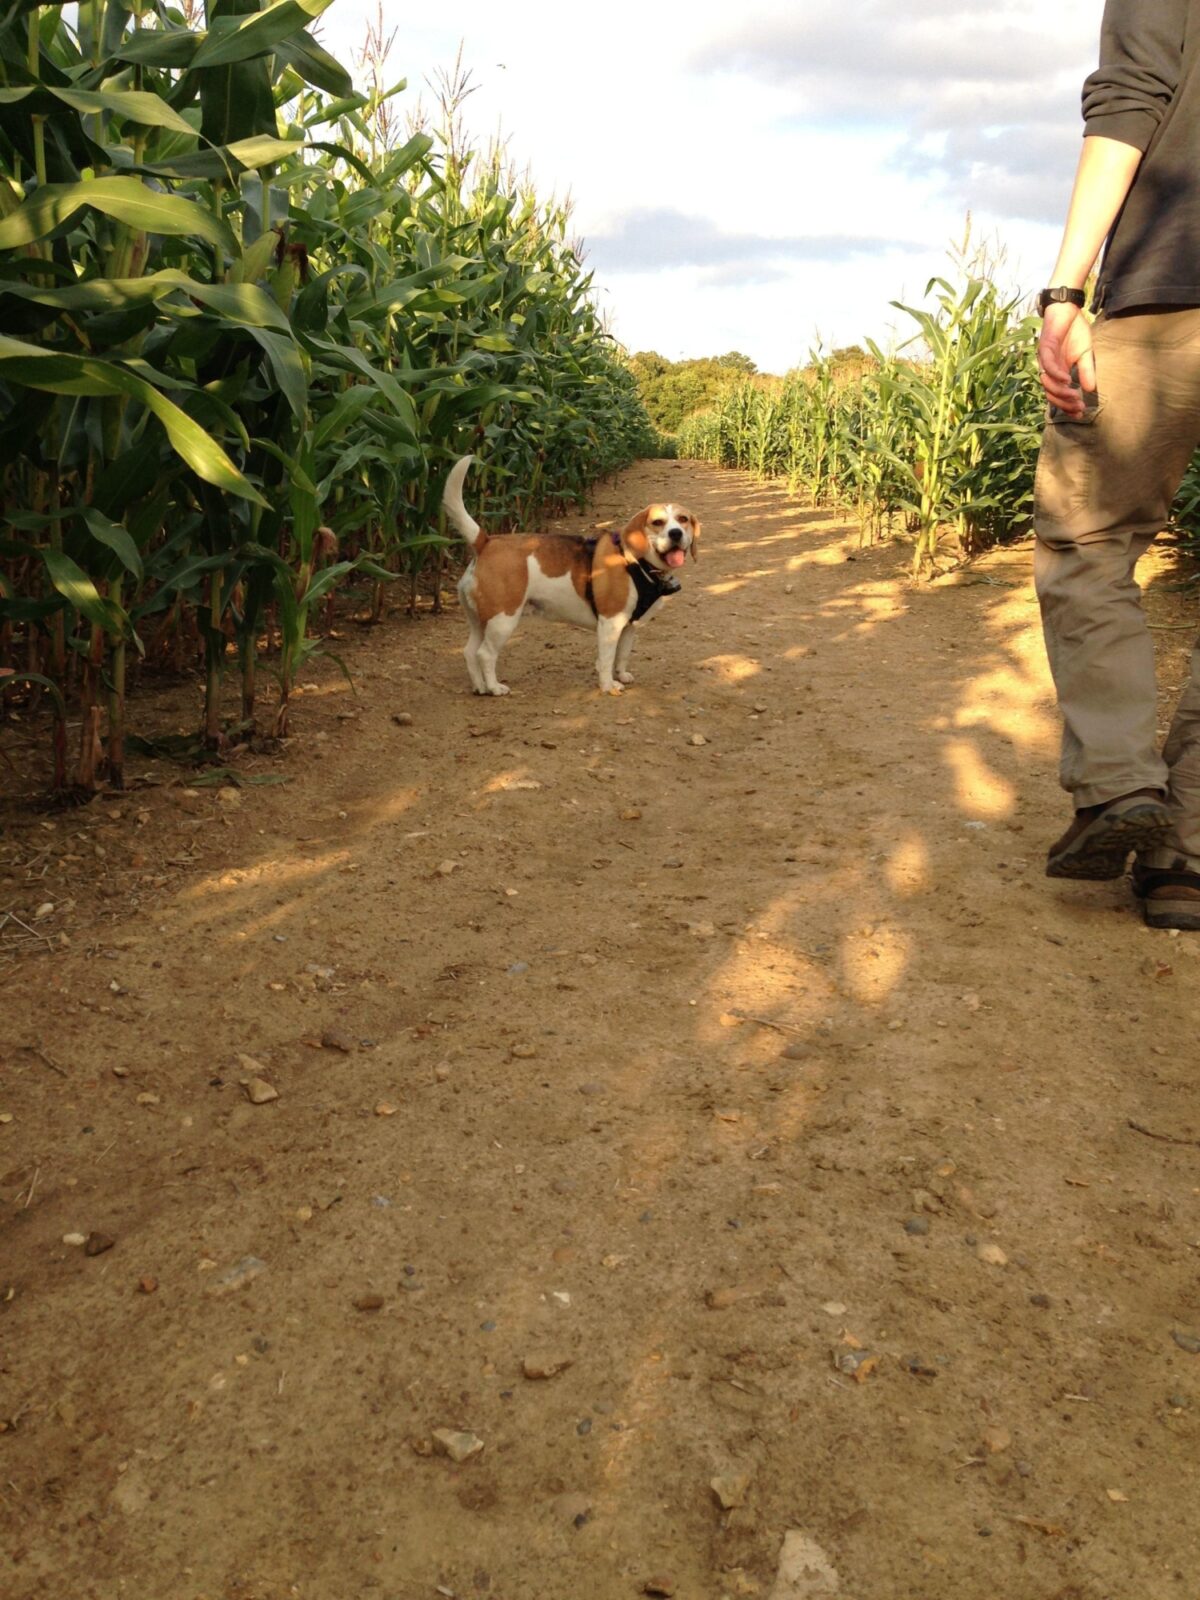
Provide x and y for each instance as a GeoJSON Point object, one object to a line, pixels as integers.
{"type": "Point", "coordinates": [625, 677]}
{"type": "Point", "coordinates": [500, 688]}
{"type": "Point", "coordinates": [612, 688]}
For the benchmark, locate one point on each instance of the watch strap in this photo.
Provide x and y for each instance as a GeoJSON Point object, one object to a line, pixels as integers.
{"type": "Point", "coordinates": [1061, 296]}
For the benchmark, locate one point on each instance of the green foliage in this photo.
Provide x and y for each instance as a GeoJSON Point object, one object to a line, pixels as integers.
{"type": "Point", "coordinates": [945, 436]}
{"type": "Point", "coordinates": [1185, 513]}
{"type": "Point", "coordinates": [242, 337]}
{"type": "Point", "coordinates": [672, 390]}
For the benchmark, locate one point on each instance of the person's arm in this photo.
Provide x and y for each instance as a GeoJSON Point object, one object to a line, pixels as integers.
{"type": "Point", "coordinates": [1141, 52]}
{"type": "Point", "coordinates": [1106, 170]}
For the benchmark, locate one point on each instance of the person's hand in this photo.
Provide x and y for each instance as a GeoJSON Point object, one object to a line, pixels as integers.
{"type": "Point", "coordinates": [1066, 342]}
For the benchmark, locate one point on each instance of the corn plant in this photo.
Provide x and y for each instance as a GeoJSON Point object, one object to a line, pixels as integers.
{"type": "Point", "coordinates": [970, 402]}
{"type": "Point", "coordinates": [943, 430]}
{"type": "Point", "coordinates": [244, 327]}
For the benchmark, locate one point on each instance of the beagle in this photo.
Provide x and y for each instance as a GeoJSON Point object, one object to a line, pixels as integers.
{"type": "Point", "coordinates": [607, 583]}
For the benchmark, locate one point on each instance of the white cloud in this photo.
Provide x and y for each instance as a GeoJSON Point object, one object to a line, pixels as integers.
{"type": "Point", "coordinates": [745, 178]}
{"type": "Point", "coordinates": [653, 239]}
{"type": "Point", "coordinates": [985, 100]}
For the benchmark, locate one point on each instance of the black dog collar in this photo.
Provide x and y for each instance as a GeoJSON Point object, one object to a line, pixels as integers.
{"type": "Point", "coordinates": [651, 586]}
{"type": "Point", "coordinates": [651, 583]}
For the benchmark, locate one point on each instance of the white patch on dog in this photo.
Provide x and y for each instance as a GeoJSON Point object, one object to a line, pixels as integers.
{"type": "Point", "coordinates": [557, 598]}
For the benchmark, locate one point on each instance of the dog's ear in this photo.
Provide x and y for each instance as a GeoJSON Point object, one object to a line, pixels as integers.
{"type": "Point", "coordinates": [633, 535]}
{"type": "Point", "coordinates": [695, 537]}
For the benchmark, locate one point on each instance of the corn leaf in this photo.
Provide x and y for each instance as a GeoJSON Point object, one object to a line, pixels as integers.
{"type": "Point", "coordinates": [81, 593]}
{"type": "Point", "coordinates": [131, 105]}
{"type": "Point", "coordinates": [226, 162]}
{"type": "Point", "coordinates": [316, 66]}
{"type": "Point", "coordinates": [286, 365]}
{"type": "Point", "coordinates": [233, 39]}
{"type": "Point", "coordinates": [67, 374]}
{"type": "Point", "coordinates": [238, 302]}
{"type": "Point", "coordinates": [115, 538]}
{"type": "Point", "coordinates": [124, 199]}
{"type": "Point", "coordinates": [236, 97]}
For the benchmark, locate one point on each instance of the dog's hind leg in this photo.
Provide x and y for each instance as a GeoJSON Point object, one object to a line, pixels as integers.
{"type": "Point", "coordinates": [471, 653]}
{"type": "Point", "coordinates": [496, 635]}
{"type": "Point", "coordinates": [466, 595]}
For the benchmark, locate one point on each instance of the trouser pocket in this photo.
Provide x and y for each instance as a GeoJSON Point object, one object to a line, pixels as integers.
{"type": "Point", "coordinates": [1064, 484]}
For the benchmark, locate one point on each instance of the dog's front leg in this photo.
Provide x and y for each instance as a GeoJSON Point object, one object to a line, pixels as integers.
{"type": "Point", "coordinates": [609, 633]}
{"type": "Point", "coordinates": [624, 651]}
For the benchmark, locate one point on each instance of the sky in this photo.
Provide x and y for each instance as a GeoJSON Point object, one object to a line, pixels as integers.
{"type": "Point", "coordinates": [767, 177]}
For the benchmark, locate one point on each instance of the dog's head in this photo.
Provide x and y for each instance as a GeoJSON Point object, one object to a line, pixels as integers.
{"type": "Point", "coordinates": [662, 535]}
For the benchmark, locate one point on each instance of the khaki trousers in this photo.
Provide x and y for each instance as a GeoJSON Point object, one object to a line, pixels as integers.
{"type": "Point", "coordinates": [1103, 491]}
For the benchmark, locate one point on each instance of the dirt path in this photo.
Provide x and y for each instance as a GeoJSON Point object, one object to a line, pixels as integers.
{"type": "Point", "coordinates": [713, 1039]}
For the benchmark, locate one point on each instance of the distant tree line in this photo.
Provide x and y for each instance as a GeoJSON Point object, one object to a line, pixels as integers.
{"type": "Point", "coordinates": [674, 390]}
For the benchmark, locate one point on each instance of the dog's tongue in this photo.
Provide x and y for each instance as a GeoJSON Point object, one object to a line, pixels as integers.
{"type": "Point", "coordinates": [674, 558]}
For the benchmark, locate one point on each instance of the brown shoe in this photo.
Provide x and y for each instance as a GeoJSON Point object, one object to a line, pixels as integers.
{"type": "Point", "coordinates": [1099, 841]}
{"type": "Point", "coordinates": [1170, 896]}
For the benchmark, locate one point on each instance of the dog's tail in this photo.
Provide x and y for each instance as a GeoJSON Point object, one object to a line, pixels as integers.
{"type": "Point", "coordinates": [452, 502]}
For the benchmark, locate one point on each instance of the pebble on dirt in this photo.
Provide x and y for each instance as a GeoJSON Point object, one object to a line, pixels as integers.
{"type": "Point", "coordinates": [335, 1039]}
{"type": "Point", "coordinates": [730, 1489]}
{"type": "Point", "coordinates": [805, 1571]}
{"type": "Point", "coordinates": [97, 1243]}
{"type": "Point", "coordinates": [545, 1364]}
{"type": "Point", "coordinates": [1187, 1341]}
{"type": "Point", "coordinates": [991, 1255]}
{"type": "Point", "coordinates": [259, 1092]}
{"type": "Point", "coordinates": [369, 1302]}
{"type": "Point", "coordinates": [147, 1285]}
{"type": "Point", "coordinates": [458, 1446]}
{"type": "Point", "coordinates": [659, 1586]}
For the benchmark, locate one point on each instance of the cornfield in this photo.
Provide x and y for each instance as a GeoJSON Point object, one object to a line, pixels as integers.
{"type": "Point", "coordinates": [245, 325]}
{"type": "Point", "coordinates": [945, 438]}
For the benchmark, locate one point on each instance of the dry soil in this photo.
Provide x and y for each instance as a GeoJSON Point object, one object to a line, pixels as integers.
{"type": "Point", "coordinates": [719, 1049]}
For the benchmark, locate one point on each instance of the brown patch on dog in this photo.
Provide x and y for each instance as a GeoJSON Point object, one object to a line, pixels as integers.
{"type": "Point", "coordinates": [502, 569]}
{"type": "Point", "coordinates": [633, 536]}
{"type": "Point", "coordinates": [610, 580]}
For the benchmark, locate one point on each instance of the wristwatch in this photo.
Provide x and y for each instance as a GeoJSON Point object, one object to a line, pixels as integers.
{"type": "Point", "coordinates": [1060, 297]}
